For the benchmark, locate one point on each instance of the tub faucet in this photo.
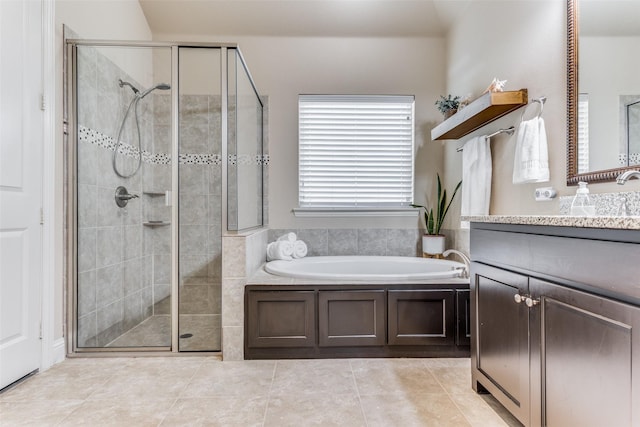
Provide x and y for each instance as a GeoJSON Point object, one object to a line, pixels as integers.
{"type": "Point", "coordinates": [622, 178]}
{"type": "Point", "coordinates": [465, 259]}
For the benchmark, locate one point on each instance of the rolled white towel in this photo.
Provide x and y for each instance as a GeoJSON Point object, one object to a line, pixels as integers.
{"type": "Point", "coordinates": [299, 249]}
{"type": "Point", "coordinates": [290, 237]}
{"type": "Point", "coordinates": [279, 250]}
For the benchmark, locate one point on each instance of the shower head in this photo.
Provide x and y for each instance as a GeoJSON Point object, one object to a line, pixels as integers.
{"type": "Point", "coordinates": [161, 86]}
{"type": "Point", "coordinates": [122, 83]}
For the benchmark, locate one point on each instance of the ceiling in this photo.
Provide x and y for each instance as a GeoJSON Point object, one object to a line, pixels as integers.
{"type": "Point", "coordinates": [321, 18]}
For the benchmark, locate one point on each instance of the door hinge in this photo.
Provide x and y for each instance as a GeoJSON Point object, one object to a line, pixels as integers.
{"type": "Point", "coordinates": [41, 216]}
{"type": "Point", "coordinates": [43, 102]}
{"type": "Point", "coordinates": [40, 330]}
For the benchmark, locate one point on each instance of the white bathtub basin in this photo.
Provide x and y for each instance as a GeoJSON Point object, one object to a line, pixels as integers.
{"type": "Point", "coordinates": [378, 268]}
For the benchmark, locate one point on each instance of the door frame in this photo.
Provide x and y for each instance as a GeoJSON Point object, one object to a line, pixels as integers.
{"type": "Point", "coordinates": [53, 350]}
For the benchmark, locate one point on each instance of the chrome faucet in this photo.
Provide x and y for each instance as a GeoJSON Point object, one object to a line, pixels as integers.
{"type": "Point", "coordinates": [622, 178]}
{"type": "Point", "coordinates": [465, 259]}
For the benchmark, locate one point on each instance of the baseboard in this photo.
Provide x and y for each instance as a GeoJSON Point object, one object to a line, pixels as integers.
{"type": "Point", "coordinates": [58, 352]}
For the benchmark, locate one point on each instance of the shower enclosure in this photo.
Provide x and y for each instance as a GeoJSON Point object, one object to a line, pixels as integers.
{"type": "Point", "coordinates": [165, 154]}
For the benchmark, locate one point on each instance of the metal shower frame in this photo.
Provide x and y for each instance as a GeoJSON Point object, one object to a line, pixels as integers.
{"type": "Point", "coordinates": [70, 189]}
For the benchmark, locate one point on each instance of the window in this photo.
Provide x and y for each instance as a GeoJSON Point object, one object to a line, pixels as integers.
{"type": "Point", "coordinates": [355, 152]}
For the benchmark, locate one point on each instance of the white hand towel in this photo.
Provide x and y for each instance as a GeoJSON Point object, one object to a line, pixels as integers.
{"type": "Point", "coordinates": [299, 249]}
{"type": "Point", "coordinates": [476, 177]}
{"type": "Point", "coordinates": [531, 163]}
{"type": "Point", "coordinates": [291, 237]}
{"type": "Point", "coordinates": [279, 250]}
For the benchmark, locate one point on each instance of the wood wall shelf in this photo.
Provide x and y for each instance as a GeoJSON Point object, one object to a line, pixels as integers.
{"type": "Point", "coordinates": [480, 112]}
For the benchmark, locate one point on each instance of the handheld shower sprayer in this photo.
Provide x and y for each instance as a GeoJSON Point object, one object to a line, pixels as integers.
{"type": "Point", "coordinates": [122, 83]}
{"type": "Point", "coordinates": [134, 103]}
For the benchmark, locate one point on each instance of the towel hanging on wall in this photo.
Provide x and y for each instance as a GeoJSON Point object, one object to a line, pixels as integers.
{"type": "Point", "coordinates": [476, 176]}
{"type": "Point", "coordinates": [531, 162]}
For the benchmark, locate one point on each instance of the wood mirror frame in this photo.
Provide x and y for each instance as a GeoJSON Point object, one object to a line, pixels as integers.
{"type": "Point", "coordinates": [573, 177]}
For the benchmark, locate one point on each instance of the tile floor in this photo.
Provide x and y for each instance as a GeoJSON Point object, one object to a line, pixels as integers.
{"type": "Point", "coordinates": [177, 391]}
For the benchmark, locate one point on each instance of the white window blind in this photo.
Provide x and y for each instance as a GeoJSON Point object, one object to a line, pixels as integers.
{"type": "Point", "coordinates": [583, 133]}
{"type": "Point", "coordinates": [355, 151]}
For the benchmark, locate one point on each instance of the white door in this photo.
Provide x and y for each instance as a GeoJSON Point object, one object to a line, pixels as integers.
{"type": "Point", "coordinates": [20, 188]}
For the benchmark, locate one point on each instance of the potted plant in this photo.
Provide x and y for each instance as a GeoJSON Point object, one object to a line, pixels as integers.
{"type": "Point", "coordinates": [433, 242]}
{"type": "Point", "coordinates": [448, 106]}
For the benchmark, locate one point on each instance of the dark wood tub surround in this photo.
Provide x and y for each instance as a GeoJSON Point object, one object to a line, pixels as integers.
{"type": "Point", "coordinates": [357, 320]}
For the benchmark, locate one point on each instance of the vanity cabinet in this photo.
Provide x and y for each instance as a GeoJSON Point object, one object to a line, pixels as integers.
{"type": "Point", "coordinates": [305, 321]}
{"type": "Point", "coordinates": [556, 334]}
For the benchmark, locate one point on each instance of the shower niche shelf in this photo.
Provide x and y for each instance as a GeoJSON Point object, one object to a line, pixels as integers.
{"type": "Point", "coordinates": [480, 112]}
{"type": "Point", "coordinates": [156, 223]}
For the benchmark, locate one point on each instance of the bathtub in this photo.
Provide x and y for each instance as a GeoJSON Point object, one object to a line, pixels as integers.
{"type": "Point", "coordinates": [370, 268]}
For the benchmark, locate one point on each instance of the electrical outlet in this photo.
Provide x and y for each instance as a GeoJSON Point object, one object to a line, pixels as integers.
{"type": "Point", "coordinates": [545, 194]}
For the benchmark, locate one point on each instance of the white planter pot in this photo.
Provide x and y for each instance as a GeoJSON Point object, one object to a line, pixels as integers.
{"type": "Point", "coordinates": [433, 244]}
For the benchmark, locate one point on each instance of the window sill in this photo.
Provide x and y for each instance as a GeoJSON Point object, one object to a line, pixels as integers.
{"type": "Point", "coordinates": [355, 212]}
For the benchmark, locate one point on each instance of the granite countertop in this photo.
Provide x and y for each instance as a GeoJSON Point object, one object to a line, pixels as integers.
{"type": "Point", "coordinates": [611, 222]}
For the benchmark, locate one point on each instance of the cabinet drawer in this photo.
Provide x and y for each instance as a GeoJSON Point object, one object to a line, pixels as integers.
{"type": "Point", "coordinates": [422, 317]}
{"type": "Point", "coordinates": [351, 318]}
{"type": "Point", "coordinates": [281, 319]}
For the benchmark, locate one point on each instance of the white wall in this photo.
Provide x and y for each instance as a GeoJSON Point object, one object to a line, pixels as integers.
{"type": "Point", "coordinates": [524, 43]}
{"type": "Point", "coordinates": [111, 20]}
{"type": "Point", "coordinates": [284, 67]}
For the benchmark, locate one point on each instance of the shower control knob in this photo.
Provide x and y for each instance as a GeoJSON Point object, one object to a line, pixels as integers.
{"type": "Point", "coordinates": [123, 196]}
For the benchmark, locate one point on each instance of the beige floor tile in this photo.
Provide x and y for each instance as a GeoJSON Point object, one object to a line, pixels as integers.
{"type": "Point", "coordinates": [419, 410]}
{"type": "Point", "coordinates": [225, 379]}
{"type": "Point", "coordinates": [161, 377]}
{"type": "Point", "coordinates": [40, 413]}
{"type": "Point", "coordinates": [454, 380]}
{"type": "Point", "coordinates": [69, 380]}
{"type": "Point", "coordinates": [454, 362]}
{"type": "Point", "coordinates": [294, 377]}
{"type": "Point", "coordinates": [479, 411]}
{"type": "Point", "coordinates": [139, 412]}
{"type": "Point", "coordinates": [320, 409]}
{"type": "Point", "coordinates": [232, 411]}
{"type": "Point", "coordinates": [393, 376]}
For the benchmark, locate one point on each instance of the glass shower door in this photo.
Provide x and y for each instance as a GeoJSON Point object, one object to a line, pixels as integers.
{"type": "Point", "coordinates": [123, 171]}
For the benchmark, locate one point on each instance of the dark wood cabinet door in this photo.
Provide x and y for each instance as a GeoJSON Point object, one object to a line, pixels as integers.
{"type": "Point", "coordinates": [586, 351]}
{"type": "Point", "coordinates": [501, 348]}
{"type": "Point", "coordinates": [422, 317]}
{"type": "Point", "coordinates": [463, 317]}
{"type": "Point", "coordinates": [351, 318]}
{"type": "Point", "coordinates": [281, 319]}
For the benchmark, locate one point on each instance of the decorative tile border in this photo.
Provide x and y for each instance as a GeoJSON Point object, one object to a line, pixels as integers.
{"type": "Point", "coordinates": [91, 136]}
{"type": "Point", "coordinates": [634, 159]}
{"type": "Point", "coordinates": [248, 159]}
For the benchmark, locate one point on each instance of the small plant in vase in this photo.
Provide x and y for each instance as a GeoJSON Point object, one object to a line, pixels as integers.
{"type": "Point", "coordinates": [448, 106]}
{"type": "Point", "coordinates": [433, 242]}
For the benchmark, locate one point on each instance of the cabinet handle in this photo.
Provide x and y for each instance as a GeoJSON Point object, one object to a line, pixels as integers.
{"type": "Point", "coordinates": [518, 298]}
{"type": "Point", "coordinates": [530, 302]}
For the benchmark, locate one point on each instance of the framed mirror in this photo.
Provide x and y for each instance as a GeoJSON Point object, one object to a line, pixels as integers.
{"type": "Point", "coordinates": [603, 89]}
